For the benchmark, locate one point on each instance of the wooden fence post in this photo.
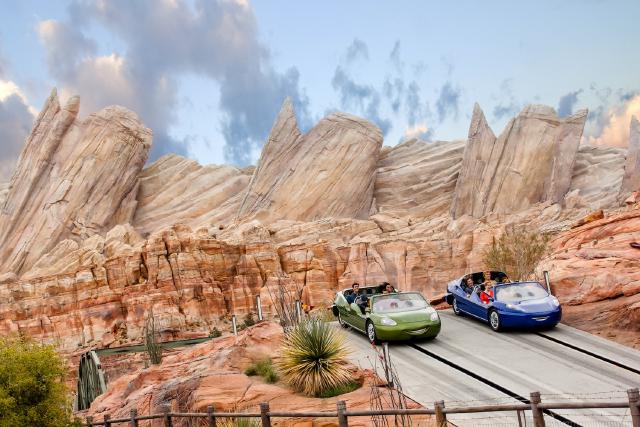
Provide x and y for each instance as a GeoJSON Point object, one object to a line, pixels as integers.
{"type": "Point", "coordinates": [441, 417]}
{"type": "Point", "coordinates": [538, 415]}
{"type": "Point", "coordinates": [264, 414]}
{"type": "Point", "coordinates": [634, 406]}
{"type": "Point", "coordinates": [134, 417]}
{"type": "Point", "coordinates": [107, 423]}
{"type": "Point", "coordinates": [168, 422]}
{"type": "Point", "coordinates": [210, 416]}
{"type": "Point", "coordinates": [89, 421]}
{"type": "Point", "coordinates": [342, 417]}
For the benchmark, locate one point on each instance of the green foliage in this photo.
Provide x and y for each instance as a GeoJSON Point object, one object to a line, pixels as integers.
{"type": "Point", "coordinates": [249, 320]}
{"type": "Point", "coordinates": [314, 358]}
{"type": "Point", "coordinates": [238, 422]}
{"type": "Point", "coordinates": [341, 389]}
{"type": "Point", "coordinates": [517, 252]}
{"type": "Point", "coordinates": [265, 369]}
{"type": "Point", "coordinates": [215, 333]}
{"type": "Point", "coordinates": [151, 345]}
{"type": "Point", "coordinates": [32, 388]}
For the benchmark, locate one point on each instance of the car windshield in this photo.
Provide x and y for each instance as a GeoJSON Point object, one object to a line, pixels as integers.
{"type": "Point", "coordinates": [520, 292]}
{"type": "Point", "coordinates": [398, 302]}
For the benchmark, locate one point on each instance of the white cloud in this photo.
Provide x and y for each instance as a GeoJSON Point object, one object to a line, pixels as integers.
{"type": "Point", "coordinates": [616, 132]}
{"type": "Point", "coordinates": [420, 130]}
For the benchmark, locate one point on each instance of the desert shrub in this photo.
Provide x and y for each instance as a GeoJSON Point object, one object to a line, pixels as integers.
{"type": "Point", "coordinates": [313, 358]}
{"type": "Point", "coordinates": [341, 389]}
{"type": "Point", "coordinates": [215, 333]}
{"type": "Point", "coordinates": [151, 345]}
{"type": "Point", "coordinates": [517, 252]}
{"type": "Point", "coordinates": [248, 320]}
{"type": "Point", "coordinates": [238, 422]}
{"type": "Point", "coordinates": [32, 388]}
{"type": "Point", "coordinates": [265, 369]}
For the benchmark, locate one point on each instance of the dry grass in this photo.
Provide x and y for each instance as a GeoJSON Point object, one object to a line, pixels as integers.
{"type": "Point", "coordinates": [517, 252]}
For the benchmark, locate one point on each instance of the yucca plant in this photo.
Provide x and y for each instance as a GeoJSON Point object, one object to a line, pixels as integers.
{"type": "Point", "coordinates": [313, 358]}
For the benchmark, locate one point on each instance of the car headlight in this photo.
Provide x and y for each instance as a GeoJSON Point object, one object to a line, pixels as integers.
{"type": "Point", "coordinates": [388, 322]}
{"type": "Point", "coordinates": [434, 316]}
{"type": "Point", "coordinates": [555, 302]}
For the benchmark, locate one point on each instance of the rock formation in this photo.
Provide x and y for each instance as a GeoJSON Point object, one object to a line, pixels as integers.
{"type": "Point", "coordinates": [328, 172]}
{"type": "Point", "coordinates": [530, 162]}
{"type": "Point", "coordinates": [73, 179]}
{"type": "Point", "coordinates": [631, 180]}
{"type": "Point", "coordinates": [320, 210]}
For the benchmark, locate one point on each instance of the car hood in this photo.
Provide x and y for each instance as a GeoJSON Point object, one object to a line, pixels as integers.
{"type": "Point", "coordinates": [413, 316]}
{"type": "Point", "coordinates": [536, 305]}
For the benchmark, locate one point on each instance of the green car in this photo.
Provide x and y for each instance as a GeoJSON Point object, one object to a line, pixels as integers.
{"type": "Point", "coordinates": [387, 317]}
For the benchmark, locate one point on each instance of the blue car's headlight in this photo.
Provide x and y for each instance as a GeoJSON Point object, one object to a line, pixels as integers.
{"type": "Point", "coordinates": [555, 302]}
{"type": "Point", "coordinates": [434, 316]}
{"type": "Point", "coordinates": [388, 322]}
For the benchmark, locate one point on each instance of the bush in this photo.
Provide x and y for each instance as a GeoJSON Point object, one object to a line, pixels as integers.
{"type": "Point", "coordinates": [32, 388]}
{"type": "Point", "coordinates": [342, 389]}
{"type": "Point", "coordinates": [215, 333]}
{"type": "Point", "coordinates": [517, 252]}
{"type": "Point", "coordinates": [314, 358]}
{"type": "Point", "coordinates": [263, 368]}
{"type": "Point", "coordinates": [248, 320]}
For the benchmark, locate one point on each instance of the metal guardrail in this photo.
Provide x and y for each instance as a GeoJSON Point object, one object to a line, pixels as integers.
{"type": "Point", "coordinates": [342, 414]}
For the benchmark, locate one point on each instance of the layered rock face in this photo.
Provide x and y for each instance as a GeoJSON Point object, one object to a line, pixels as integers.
{"type": "Point", "coordinates": [73, 179]}
{"type": "Point", "coordinates": [631, 180]}
{"type": "Point", "coordinates": [530, 162]}
{"type": "Point", "coordinates": [319, 211]}
{"type": "Point", "coordinates": [178, 190]}
{"type": "Point", "coordinates": [329, 172]}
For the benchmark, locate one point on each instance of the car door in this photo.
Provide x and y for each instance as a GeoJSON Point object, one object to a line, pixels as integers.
{"type": "Point", "coordinates": [476, 307]}
{"type": "Point", "coordinates": [464, 302]}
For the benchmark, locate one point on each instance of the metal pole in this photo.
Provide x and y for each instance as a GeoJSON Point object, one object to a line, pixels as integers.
{"type": "Point", "coordinates": [441, 417]}
{"type": "Point", "coordinates": [387, 361]}
{"type": "Point", "coordinates": [298, 310]}
{"type": "Point", "coordinates": [210, 416]}
{"type": "Point", "coordinates": [259, 307]}
{"type": "Point", "coordinates": [264, 414]}
{"type": "Point", "coordinates": [342, 417]}
{"type": "Point", "coordinates": [538, 415]}
{"type": "Point", "coordinates": [134, 418]}
{"type": "Point", "coordinates": [234, 324]}
{"type": "Point", "coordinates": [547, 281]}
{"type": "Point", "coordinates": [634, 406]}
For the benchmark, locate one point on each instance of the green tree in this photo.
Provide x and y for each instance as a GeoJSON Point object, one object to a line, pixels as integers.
{"type": "Point", "coordinates": [517, 252]}
{"type": "Point", "coordinates": [32, 388]}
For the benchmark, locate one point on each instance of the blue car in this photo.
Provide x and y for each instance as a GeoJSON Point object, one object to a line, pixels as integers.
{"type": "Point", "coordinates": [517, 305]}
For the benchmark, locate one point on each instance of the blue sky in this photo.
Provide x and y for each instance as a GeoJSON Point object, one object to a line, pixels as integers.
{"type": "Point", "coordinates": [209, 77]}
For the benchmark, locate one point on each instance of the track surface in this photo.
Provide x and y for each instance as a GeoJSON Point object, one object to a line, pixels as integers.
{"type": "Point", "coordinates": [558, 363]}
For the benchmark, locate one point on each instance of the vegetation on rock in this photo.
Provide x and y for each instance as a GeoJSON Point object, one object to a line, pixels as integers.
{"type": "Point", "coordinates": [32, 388]}
{"type": "Point", "coordinates": [151, 345]}
{"type": "Point", "coordinates": [517, 252]}
{"type": "Point", "coordinates": [265, 369]}
{"type": "Point", "coordinates": [313, 358]}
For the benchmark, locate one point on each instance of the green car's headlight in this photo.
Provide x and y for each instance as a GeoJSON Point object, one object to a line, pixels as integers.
{"type": "Point", "coordinates": [388, 322]}
{"type": "Point", "coordinates": [434, 316]}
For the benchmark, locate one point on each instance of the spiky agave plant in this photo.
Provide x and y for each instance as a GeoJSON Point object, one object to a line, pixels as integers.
{"type": "Point", "coordinates": [313, 358]}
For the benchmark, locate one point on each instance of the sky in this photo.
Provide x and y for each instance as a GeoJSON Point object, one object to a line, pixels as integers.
{"type": "Point", "coordinates": [209, 77]}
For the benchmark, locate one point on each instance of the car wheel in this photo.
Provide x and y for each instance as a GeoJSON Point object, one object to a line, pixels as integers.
{"type": "Point", "coordinates": [494, 320]}
{"type": "Point", "coordinates": [342, 322]}
{"type": "Point", "coordinates": [456, 309]}
{"type": "Point", "coordinates": [371, 333]}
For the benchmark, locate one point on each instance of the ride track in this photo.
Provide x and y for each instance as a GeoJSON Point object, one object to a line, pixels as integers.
{"type": "Point", "coordinates": [469, 362]}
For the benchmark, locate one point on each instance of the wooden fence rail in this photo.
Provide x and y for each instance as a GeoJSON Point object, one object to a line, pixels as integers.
{"type": "Point", "coordinates": [536, 406]}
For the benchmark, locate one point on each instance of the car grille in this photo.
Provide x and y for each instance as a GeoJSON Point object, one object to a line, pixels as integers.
{"type": "Point", "coordinates": [541, 319]}
{"type": "Point", "coordinates": [418, 331]}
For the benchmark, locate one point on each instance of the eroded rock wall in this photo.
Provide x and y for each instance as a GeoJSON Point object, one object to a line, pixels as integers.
{"type": "Point", "coordinates": [73, 179]}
